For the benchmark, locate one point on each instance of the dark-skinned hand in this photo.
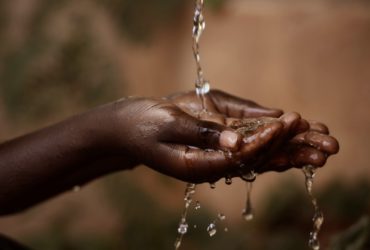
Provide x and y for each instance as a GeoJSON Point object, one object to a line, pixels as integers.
{"type": "Point", "coordinates": [305, 142]}
{"type": "Point", "coordinates": [190, 145]}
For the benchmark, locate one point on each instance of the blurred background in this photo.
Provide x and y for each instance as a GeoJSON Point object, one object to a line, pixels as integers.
{"type": "Point", "coordinates": [62, 57]}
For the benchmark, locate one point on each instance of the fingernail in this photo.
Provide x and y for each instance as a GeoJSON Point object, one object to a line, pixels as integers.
{"type": "Point", "coordinates": [229, 139]}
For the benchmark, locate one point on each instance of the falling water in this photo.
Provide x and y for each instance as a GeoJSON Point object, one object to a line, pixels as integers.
{"type": "Point", "coordinates": [249, 178]}
{"type": "Point", "coordinates": [183, 225]}
{"type": "Point", "coordinates": [228, 180]}
{"type": "Point", "coordinates": [318, 217]}
{"type": "Point", "coordinates": [202, 86]}
{"type": "Point", "coordinates": [212, 227]}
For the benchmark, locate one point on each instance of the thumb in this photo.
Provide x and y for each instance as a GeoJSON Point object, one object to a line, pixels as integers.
{"type": "Point", "coordinates": [188, 130]}
{"type": "Point", "coordinates": [237, 107]}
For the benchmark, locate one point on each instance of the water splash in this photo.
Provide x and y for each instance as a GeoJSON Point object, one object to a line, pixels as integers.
{"type": "Point", "coordinates": [309, 172]}
{"type": "Point", "coordinates": [183, 227]}
{"type": "Point", "coordinates": [212, 227]}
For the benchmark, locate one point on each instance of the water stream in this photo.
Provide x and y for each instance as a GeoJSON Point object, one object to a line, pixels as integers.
{"type": "Point", "coordinates": [318, 217]}
{"type": "Point", "coordinates": [202, 87]}
{"type": "Point", "coordinates": [183, 225]}
{"type": "Point", "coordinates": [249, 178]}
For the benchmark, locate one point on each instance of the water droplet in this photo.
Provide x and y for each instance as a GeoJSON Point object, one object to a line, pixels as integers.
{"type": "Point", "coordinates": [317, 221]}
{"type": "Point", "coordinates": [183, 228]}
{"type": "Point", "coordinates": [249, 176]}
{"type": "Point", "coordinates": [190, 189]}
{"type": "Point", "coordinates": [198, 20]}
{"type": "Point", "coordinates": [248, 215]}
{"type": "Point", "coordinates": [188, 202]}
{"type": "Point", "coordinates": [228, 181]}
{"type": "Point", "coordinates": [195, 226]}
{"type": "Point", "coordinates": [178, 242]}
{"type": "Point", "coordinates": [197, 205]}
{"type": "Point", "coordinates": [221, 216]}
{"type": "Point", "coordinates": [76, 188]}
{"type": "Point", "coordinates": [313, 241]}
{"type": "Point", "coordinates": [212, 185]}
{"type": "Point", "coordinates": [248, 210]}
{"type": "Point", "coordinates": [211, 229]}
{"type": "Point", "coordinates": [226, 229]}
{"type": "Point", "coordinates": [203, 88]}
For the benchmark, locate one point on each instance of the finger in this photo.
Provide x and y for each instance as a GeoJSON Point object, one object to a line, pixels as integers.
{"type": "Point", "coordinates": [192, 164]}
{"type": "Point", "coordinates": [192, 104]}
{"type": "Point", "coordinates": [188, 130]}
{"type": "Point", "coordinates": [295, 157]}
{"type": "Point", "coordinates": [303, 156]}
{"type": "Point", "coordinates": [286, 126]}
{"type": "Point", "coordinates": [322, 142]}
{"type": "Point", "coordinates": [292, 123]}
{"type": "Point", "coordinates": [233, 106]}
{"type": "Point", "coordinates": [260, 140]}
{"type": "Point", "coordinates": [319, 127]}
{"type": "Point", "coordinates": [302, 126]}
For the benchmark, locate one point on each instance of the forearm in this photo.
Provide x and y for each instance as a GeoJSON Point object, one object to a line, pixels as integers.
{"type": "Point", "coordinates": [39, 165]}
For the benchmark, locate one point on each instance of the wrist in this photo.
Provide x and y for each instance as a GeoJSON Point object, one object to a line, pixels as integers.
{"type": "Point", "coordinates": [104, 131]}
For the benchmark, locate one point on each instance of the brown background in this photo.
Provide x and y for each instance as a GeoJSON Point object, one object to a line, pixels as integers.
{"type": "Point", "coordinates": [312, 57]}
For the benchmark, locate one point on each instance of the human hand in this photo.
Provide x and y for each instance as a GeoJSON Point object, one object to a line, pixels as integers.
{"type": "Point", "coordinates": [312, 147]}
{"type": "Point", "coordinates": [166, 135]}
{"type": "Point", "coordinates": [306, 142]}
{"type": "Point", "coordinates": [159, 134]}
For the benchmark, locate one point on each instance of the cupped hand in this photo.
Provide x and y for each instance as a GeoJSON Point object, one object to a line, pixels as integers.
{"type": "Point", "coordinates": [311, 147]}
{"type": "Point", "coordinates": [161, 135]}
{"type": "Point", "coordinates": [173, 136]}
{"type": "Point", "coordinates": [296, 144]}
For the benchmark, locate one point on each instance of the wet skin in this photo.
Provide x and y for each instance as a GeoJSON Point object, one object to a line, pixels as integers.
{"type": "Point", "coordinates": [170, 135]}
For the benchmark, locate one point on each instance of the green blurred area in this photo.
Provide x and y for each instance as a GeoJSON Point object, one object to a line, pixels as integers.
{"type": "Point", "coordinates": [45, 74]}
